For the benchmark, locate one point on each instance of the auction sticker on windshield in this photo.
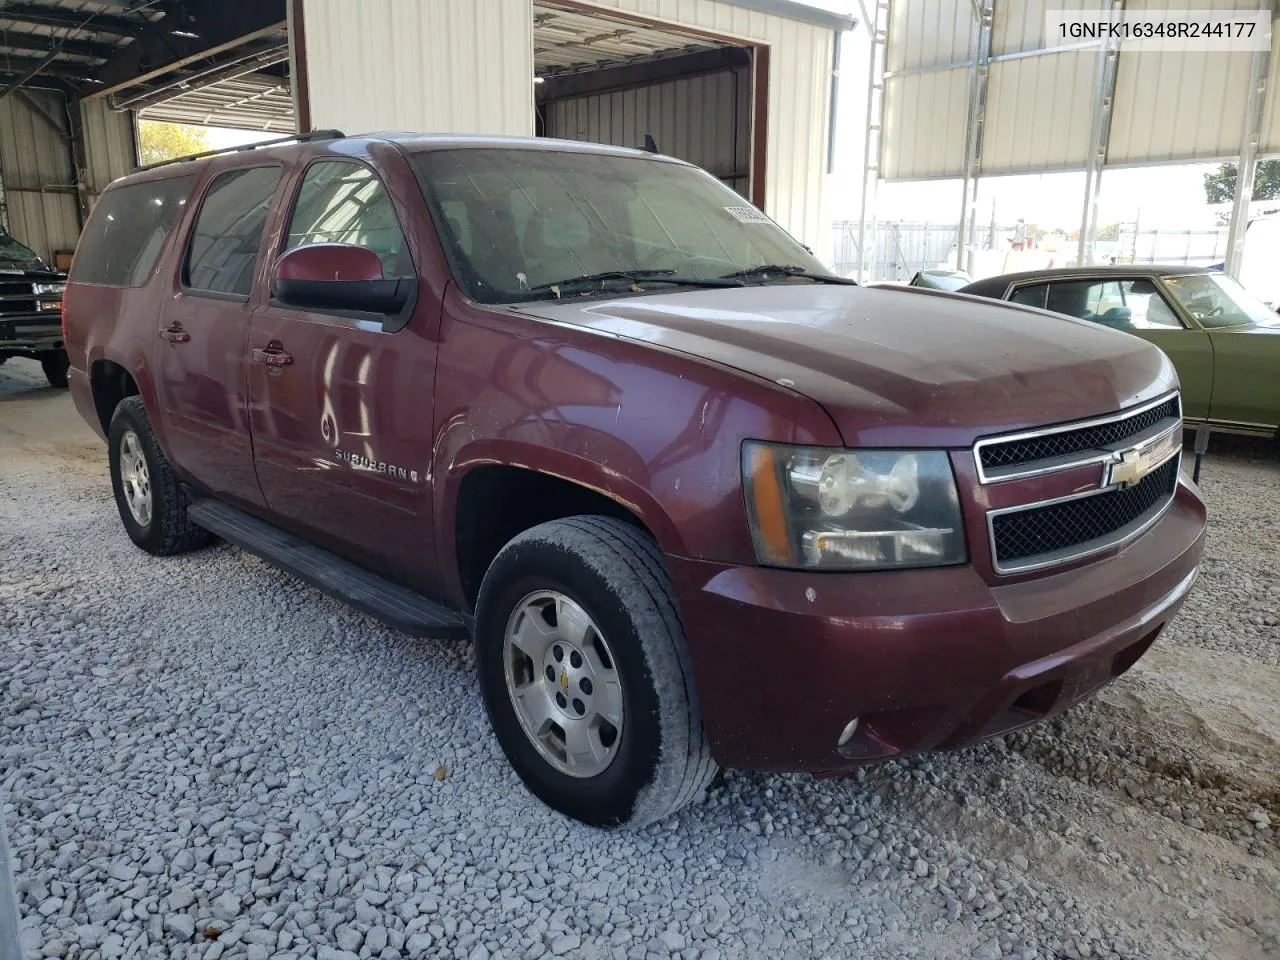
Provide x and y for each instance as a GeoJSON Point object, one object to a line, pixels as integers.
{"type": "Point", "coordinates": [747, 215]}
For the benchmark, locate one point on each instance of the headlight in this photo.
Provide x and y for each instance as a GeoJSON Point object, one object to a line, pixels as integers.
{"type": "Point", "coordinates": [48, 289]}
{"type": "Point", "coordinates": [825, 509]}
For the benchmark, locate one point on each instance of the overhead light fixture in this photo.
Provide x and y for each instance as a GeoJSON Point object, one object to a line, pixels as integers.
{"type": "Point", "coordinates": [185, 33]}
{"type": "Point", "coordinates": [539, 79]}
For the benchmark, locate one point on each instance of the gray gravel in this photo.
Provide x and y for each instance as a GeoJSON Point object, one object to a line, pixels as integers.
{"type": "Point", "coordinates": [201, 758]}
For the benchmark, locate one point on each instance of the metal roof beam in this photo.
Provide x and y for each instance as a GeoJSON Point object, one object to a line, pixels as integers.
{"type": "Point", "coordinates": [189, 83]}
{"type": "Point", "coordinates": [558, 86]}
{"type": "Point", "coordinates": [221, 24]}
{"type": "Point", "coordinates": [45, 44]}
{"type": "Point", "coordinates": [63, 19]}
{"type": "Point", "coordinates": [44, 66]}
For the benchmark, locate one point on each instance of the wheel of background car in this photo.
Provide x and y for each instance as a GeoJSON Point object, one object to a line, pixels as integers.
{"type": "Point", "coordinates": [55, 365]}
{"type": "Point", "coordinates": [585, 674]}
{"type": "Point", "coordinates": [153, 507]}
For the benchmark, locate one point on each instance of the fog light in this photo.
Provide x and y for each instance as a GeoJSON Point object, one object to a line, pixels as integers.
{"type": "Point", "coordinates": [848, 732]}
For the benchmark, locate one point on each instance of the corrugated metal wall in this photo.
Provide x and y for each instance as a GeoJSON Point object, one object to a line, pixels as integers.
{"type": "Point", "coordinates": [1169, 107]}
{"type": "Point", "coordinates": [449, 66]}
{"type": "Point", "coordinates": [704, 119]}
{"type": "Point", "coordinates": [110, 152]}
{"type": "Point", "coordinates": [38, 178]}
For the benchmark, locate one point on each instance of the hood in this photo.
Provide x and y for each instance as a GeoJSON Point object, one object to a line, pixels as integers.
{"type": "Point", "coordinates": [894, 367]}
{"type": "Point", "coordinates": [35, 272]}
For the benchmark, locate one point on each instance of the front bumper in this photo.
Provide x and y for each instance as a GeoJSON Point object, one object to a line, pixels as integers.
{"type": "Point", "coordinates": [924, 659]}
{"type": "Point", "coordinates": [31, 332]}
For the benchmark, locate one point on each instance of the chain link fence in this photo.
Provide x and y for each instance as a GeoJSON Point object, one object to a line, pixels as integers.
{"type": "Point", "coordinates": [902, 249]}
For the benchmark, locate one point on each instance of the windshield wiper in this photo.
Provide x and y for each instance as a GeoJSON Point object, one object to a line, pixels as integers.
{"type": "Point", "coordinates": [560, 287]}
{"type": "Point", "coordinates": [781, 270]}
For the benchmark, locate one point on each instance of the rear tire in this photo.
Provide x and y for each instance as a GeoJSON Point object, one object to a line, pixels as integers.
{"type": "Point", "coordinates": [152, 504]}
{"type": "Point", "coordinates": [54, 363]}
{"type": "Point", "coordinates": [608, 572]}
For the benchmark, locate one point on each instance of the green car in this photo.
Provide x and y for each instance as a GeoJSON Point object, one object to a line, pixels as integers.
{"type": "Point", "coordinates": [1224, 343]}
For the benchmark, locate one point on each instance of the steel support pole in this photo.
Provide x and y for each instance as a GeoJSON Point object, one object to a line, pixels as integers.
{"type": "Point", "coordinates": [879, 38]}
{"type": "Point", "coordinates": [1104, 92]}
{"type": "Point", "coordinates": [1248, 162]}
{"type": "Point", "coordinates": [983, 11]}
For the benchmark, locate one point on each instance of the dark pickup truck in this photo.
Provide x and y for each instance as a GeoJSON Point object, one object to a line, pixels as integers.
{"type": "Point", "coordinates": [31, 310]}
{"type": "Point", "coordinates": [695, 500]}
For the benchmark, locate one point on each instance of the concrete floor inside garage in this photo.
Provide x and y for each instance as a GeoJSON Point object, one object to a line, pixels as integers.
{"type": "Point", "coordinates": [240, 767]}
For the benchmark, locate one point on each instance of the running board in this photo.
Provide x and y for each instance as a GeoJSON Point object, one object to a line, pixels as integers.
{"type": "Point", "coordinates": [377, 596]}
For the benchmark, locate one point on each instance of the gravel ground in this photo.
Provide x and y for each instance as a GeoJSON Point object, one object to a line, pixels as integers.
{"type": "Point", "coordinates": [199, 757]}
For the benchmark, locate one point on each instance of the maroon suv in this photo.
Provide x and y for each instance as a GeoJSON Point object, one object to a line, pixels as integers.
{"type": "Point", "coordinates": [696, 500]}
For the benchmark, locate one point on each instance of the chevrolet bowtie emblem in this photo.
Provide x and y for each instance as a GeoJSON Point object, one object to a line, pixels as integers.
{"type": "Point", "coordinates": [564, 681]}
{"type": "Point", "coordinates": [1131, 465]}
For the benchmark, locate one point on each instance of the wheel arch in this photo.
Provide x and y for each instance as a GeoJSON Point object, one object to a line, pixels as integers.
{"type": "Point", "coordinates": [494, 500]}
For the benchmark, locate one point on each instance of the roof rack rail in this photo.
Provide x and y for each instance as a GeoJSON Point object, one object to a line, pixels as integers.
{"type": "Point", "coordinates": [293, 138]}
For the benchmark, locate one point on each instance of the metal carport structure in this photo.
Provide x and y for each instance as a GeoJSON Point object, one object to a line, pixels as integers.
{"type": "Point", "coordinates": [971, 88]}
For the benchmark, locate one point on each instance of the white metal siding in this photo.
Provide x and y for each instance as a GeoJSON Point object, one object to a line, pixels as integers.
{"type": "Point", "coordinates": [1179, 106]}
{"type": "Point", "coordinates": [109, 147]}
{"type": "Point", "coordinates": [924, 120]}
{"type": "Point", "coordinates": [1169, 107]}
{"type": "Point", "coordinates": [704, 119]}
{"type": "Point", "coordinates": [1018, 27]}
{"type": "Point", "coordinates": [1039, 112]}
{"type": "Point", "coordinates": [449, 66]}
{"type": "Point", "coordinates": [800, 61]}
{"type": "Point", "coordinates": [929, 33]}
{"type": "Point", "coordinates": [36, 165]}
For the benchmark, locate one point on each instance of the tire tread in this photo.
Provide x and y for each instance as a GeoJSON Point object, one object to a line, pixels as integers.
{"type": "Point", "coordinates": [169, 501]}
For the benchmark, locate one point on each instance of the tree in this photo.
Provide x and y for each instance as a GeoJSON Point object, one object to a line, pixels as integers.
{"type": "Point", "coordinates": [159, 141]}
{"type": "Point", "coordinates": [1220, 187]}
{"type": "Point", "coordinates": [1109, 231]}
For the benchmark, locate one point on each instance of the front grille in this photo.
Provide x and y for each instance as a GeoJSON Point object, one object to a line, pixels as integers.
{"type": "Point", "coordinates": [1015, 453]}
{"type": "Point", "coordinates": [16, 297]}
{"type": "Point", "coordinates": [1041, 534]}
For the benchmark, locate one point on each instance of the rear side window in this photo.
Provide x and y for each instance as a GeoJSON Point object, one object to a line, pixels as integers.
{"type": "Point", "coordinates": [1030, 296]}
{"type": "Point", "coordinates": [228, 234]}
{"type": "Point", "coordinates": [124, 236]}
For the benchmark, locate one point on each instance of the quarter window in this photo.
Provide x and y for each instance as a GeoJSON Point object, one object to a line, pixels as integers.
{"type": "Point", "coordinates": [124, 236]}
{"type": "Point", "coordinates": [344, 202]}
{"type": "Point", "coordinates": [228, 233]}
{"type": "Point", "coordinates": [1030, 296]}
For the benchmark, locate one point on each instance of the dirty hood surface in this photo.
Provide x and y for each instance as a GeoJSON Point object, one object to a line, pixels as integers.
{"type": "Point", "coordinates": [894, 367]}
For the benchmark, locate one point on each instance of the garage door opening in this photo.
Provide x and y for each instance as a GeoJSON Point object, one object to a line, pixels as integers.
{"type": "Point", "coordinates": [612, 78]}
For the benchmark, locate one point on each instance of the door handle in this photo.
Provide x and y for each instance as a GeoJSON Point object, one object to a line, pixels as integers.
{"type": "Point", "coordinates": [272, 356]}
{"type": "Point", "coordinates": [175, 334]}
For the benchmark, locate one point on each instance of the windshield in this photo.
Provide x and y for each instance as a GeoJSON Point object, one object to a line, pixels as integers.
{"type": "Point", "coordinates": [515, 222]}
{"type": "Point", "coordinates": [1215, 300]}
{"type": "Point", "coordinates": [938, 280]}
{"type": "Point", "coordinates": [12, 252]}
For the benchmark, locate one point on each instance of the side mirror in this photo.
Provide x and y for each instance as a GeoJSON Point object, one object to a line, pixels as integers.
{"type": "Point", "coordinates": [337, 276]}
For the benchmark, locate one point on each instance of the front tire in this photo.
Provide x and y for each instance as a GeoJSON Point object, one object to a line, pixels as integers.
{"type": "Point", "coordinates": [55, 364]}
{"type": "Point", "coordinates": [152, 505]}
{"type": "Point", "coordinates": [586, 676]}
